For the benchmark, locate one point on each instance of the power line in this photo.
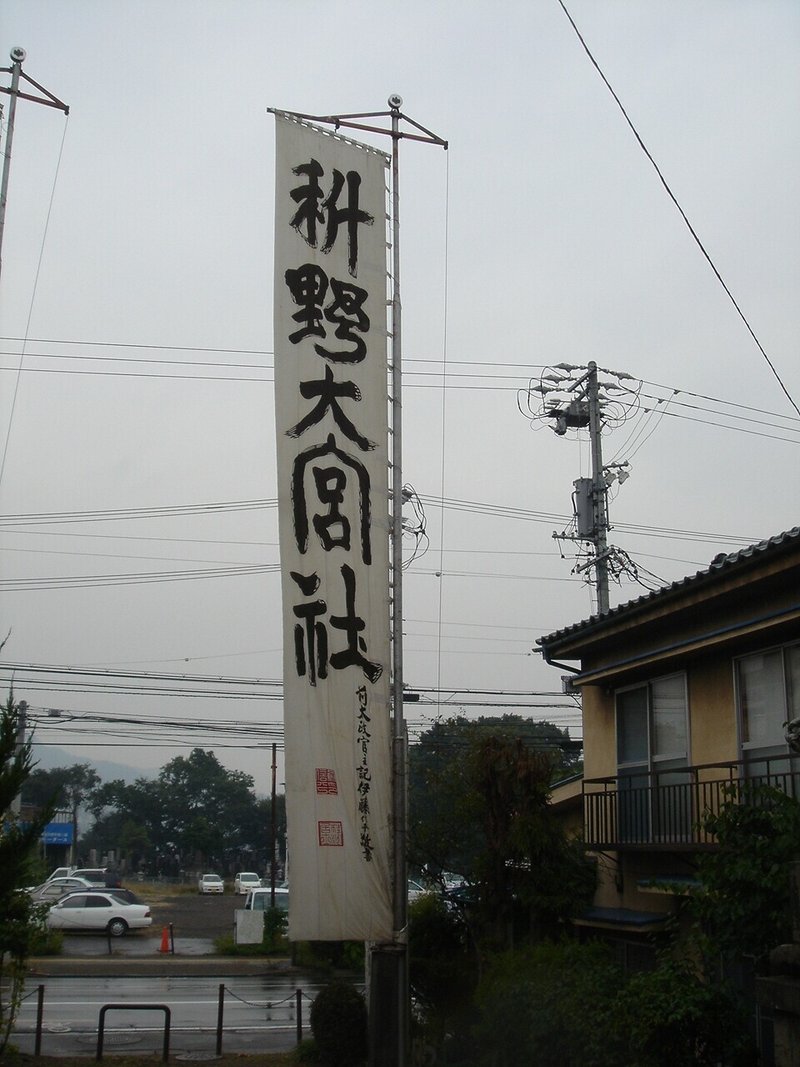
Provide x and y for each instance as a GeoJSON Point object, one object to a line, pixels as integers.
{"type": "Point", "coordinates": [474, 373]}
{"type": "Point", "coordinates": [682, 213]}
{"type": "Point", "coordinates": [159, 512]}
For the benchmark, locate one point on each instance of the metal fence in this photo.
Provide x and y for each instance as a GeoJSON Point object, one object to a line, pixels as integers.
{"type": "Point", "coordinates": [666, 809]}
{"type": "Point", "coordinates": [288, 1013]}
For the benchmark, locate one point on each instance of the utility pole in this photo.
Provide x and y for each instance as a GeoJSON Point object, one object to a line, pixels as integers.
{"type": "Point", "coordinates": [274, 823]}
{"type": "Point", "coordinates": [599, 492]}
{"type": "Point", "coordinates": [15, 70]}
{"type": "Point", "coordinates": [584, 410]}
{"type": "Point", "coordinates": [22, 725]}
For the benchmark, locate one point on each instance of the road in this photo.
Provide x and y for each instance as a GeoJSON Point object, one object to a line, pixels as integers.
{"type": "Point", "coordinates": [258, 1011]}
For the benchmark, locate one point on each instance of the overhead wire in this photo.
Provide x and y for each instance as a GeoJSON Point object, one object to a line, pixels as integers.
{"type": "Point", "coordinates": [682, 213]}
{"type": "Point", "coordinates": [481, 376]}
{"type": "Point", "coordinates": [33, 295]}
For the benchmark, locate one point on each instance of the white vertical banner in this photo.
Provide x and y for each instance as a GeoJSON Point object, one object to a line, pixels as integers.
{"type": "Point", "coordinates": [332, 453]}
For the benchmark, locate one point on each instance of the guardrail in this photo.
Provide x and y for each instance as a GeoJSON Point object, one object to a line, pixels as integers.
{"type": "Point", "coordinates": [288, 1010]}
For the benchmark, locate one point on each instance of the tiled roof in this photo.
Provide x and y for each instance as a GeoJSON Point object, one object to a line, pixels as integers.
{"type": "Point", "coordinates": [719, 564]}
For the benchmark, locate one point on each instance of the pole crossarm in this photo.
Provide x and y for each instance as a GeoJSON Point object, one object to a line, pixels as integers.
{"type": "Point", "coordinates": [346, 122]}
{"type": "Point", "coordinates": [49, 100]}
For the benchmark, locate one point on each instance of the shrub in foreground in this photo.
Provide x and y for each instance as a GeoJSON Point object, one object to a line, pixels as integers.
{"type": "Point", "coordinates": [339, 1025]}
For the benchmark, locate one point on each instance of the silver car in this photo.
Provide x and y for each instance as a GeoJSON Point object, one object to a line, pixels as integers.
{"type": "Point", "coordinates": [56, 887]}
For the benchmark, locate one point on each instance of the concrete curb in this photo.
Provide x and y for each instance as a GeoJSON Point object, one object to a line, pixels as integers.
{"type": "Point", "coordinates": [177, 966]}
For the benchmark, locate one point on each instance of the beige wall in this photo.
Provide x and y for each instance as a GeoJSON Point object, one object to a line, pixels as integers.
{"type": "Point", "coordinates": [713, 739]}
{"type": "Point", "coordinates": [712, 712]}
{"type": "Point", "coordinates": [599, 733]}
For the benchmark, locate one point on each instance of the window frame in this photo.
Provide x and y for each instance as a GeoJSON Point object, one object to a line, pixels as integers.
{"type": "Point", "coordinates": [655, 762]}
{"type": "Point", "coordinates": [747, 748]}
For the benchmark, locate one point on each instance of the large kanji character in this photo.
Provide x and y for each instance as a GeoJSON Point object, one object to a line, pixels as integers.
{"type": "Point", "coordinates": [308, 285]}
{"type": "Point", "coordinates": [352, 215]}
{"type": "Point", "coordinates": [329, 392]}
{"type": "Point", "coordinates": [335, 459]}
{"type": "Point", "coordinates": [308, 197]}
{"type": "Point", "coordinates": [346, 311]}
{"type": "Point", "coordinates": [353, 626]}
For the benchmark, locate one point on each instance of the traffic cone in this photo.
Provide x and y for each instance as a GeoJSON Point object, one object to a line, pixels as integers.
{"type": "Point", "coordinates": [164, 940]}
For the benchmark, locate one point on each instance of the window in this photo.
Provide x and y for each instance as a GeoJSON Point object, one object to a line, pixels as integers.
{"type": "Point", "coordinates": [768, 691]}
{"type": "Point", "coordinates": [651, 723]}
{"type": "Point", "coordinates": [652, 756]}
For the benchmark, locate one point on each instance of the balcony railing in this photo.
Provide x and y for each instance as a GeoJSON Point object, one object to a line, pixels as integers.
{"type": "Point", "coordinates": [666, 809]}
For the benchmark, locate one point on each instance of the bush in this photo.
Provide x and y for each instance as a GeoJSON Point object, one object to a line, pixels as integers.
{"type": "Point", "coordinates": [674, 1019]}
{"type": "Point", "coordinates": [274, 938]}
{"type": "Point", "coordinates": [552, 1004]}
{"type": "Point", "coordinates": [329, 956]}
{"type": "Point", "coordinates": [442, 971]}
{"type": "Point", "coordinates": [339, 1025]}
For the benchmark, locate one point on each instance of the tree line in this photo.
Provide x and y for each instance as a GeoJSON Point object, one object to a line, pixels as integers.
{"type": "Point", "coordinates": [194, 813]}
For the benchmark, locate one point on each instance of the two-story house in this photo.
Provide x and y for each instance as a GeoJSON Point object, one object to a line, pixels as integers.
{"type": "Point", "coordinates": [686, 691]}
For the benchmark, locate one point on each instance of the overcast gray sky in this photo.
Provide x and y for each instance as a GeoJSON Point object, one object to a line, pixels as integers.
{"type": "Point", "coordinates": [136, 367]}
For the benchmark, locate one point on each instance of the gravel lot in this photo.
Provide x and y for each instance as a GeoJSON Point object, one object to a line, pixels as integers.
{"type": "Point", "coordinates": [192, 914]}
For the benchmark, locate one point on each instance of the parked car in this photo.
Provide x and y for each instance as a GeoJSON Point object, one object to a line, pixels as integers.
{"type": "Point", "coordinates": [259, 899]}
{"type": "Point", "coordinates": [245, 880]}
{"type": "Point", "coordinates": [462, 898]}
{"type": "Point", "coordinates": [60, 872]}
{"type": "Point", "coordinates": [95, 910]}
{"type": "Point", "coordinates": [54, 888]}
{"type": "Point", "coordinates": [127, 895]}
{"type": "Point", "coordinates": [415, 890]}
{"type": "Point", "coordinates": [210, 883]}
{"type": "Point", "coordinates": [102, 877]}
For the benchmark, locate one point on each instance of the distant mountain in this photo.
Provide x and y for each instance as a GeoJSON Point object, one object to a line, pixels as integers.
{"type": "Point", "coordinates": [47, 757]}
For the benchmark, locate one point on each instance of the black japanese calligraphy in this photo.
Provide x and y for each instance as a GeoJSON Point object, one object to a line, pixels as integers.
{"type": "Point", "coordinates": [311, 640]}
{"type": "Point", "coordinates": [332, 527]}
{"type": "Point", "coordinates": [310, 636]}
{"type": "Point", "coordinates": [329, 393]}
{"type": "Point", "coordinates": [353, 626]}
{"type": "Point", "coordinates": [314, 207]}
{"type": "Point", "coordinates": [308, 285]}
{"type": "Point", "coordinates": [364, 777]}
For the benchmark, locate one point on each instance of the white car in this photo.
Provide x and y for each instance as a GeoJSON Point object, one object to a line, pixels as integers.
{"type": "Point", "coordinates": [260, 899]}
{"type": "Point", "coordinates": [246, 880]}
{"type": "Point", "coordinates": [54, 888]}
{"type": "Point", "coordinates": [210, 883]}
{"type": "Point", "coordinates": [94, 910]}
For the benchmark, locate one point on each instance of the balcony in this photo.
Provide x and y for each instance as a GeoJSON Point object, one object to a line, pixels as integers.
{"type": "Point", "coordinates": [664, 810]}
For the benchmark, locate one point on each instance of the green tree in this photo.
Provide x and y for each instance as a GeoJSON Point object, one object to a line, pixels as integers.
{"type": "Point", "coordinates": [69, 788]}
{"type": "Point", "coordinates": [18, 840]}
{"type": "Point", "coordinates": [194, 811]}
{"type": "Point", "coordinates": [210, 807]}
{"type": "Point", "coordinates": [479, 805]}
{"type": "Point", "coordinates": [532, 878]}
{"type": "Point", "coordinates": [445, 810]}
{"type": "Point", "coordinates": [745, 906]}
